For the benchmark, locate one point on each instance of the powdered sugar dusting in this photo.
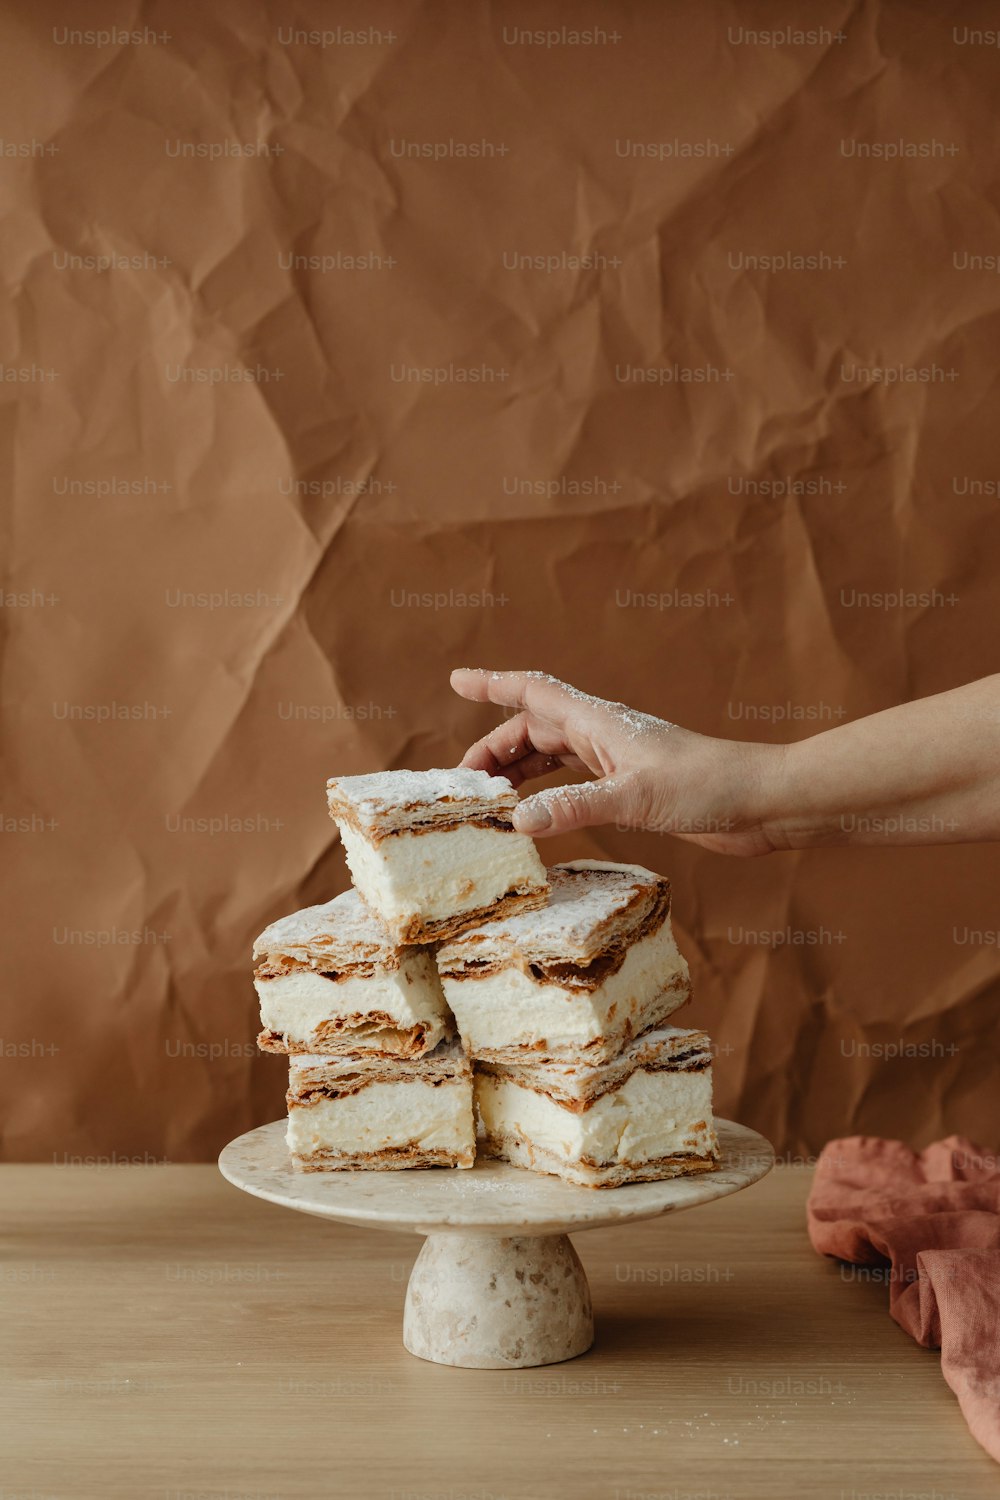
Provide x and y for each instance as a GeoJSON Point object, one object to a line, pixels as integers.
{"type": "Point", "coordinates": [583, 896]}
{"type": "Point", "coordinates": [636, 725]}
{"type": "Point", "coordinates": [575, 693]}
{"type": "Point", "coordinates": [342, 930]}
{"type": "Point", "coordinates": [376, 793]}
{"type": "Point", "coordinates": [550, 797]}
{"type": "Point", "coordinates": [630, 721]}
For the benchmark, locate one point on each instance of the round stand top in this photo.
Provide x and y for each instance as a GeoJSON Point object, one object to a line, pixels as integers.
{"type": "Point", "coordinates": [489, 1198]}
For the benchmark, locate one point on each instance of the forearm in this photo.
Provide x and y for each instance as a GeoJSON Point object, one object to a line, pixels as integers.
{"type": "Point", "coordinates": [924, 772]}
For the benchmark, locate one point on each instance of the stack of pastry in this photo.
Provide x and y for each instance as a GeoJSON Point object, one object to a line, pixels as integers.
{"type": "Point", "coordinates": [461, 995]}
{"type": "Point", "coordinates": [350, 990]}
{"type": "Point", "coordinates": [563, 1011]}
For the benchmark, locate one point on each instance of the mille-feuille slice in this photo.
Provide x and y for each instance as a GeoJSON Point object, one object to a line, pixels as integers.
{"type": "Point", "coordinates": [331, 979]}
{"type": "Point", "coordinates": [434, 852]}
{"type": "Point", "coordinates": [572, 981]}
{"type": "Point", "coordinates": [380, 1114]}
{"type": "Point", "coordinates": [647, 1115]}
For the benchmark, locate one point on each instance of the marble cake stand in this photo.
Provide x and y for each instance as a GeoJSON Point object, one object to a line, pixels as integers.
{"type": "Point", "coordinates": [497, 1284]}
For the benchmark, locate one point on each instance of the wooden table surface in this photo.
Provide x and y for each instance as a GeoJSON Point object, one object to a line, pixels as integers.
{"type": "Point", "coordinates": [166, 1335]}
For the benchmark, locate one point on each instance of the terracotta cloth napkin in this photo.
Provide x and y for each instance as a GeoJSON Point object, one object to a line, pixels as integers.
{"type": "Point", "coordinates": [935, 1217]}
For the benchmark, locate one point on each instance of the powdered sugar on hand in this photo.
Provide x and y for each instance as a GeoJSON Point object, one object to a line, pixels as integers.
{"type": "Point", "coordinates": [630, 721]}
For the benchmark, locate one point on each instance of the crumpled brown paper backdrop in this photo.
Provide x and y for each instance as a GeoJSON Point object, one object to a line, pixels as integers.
{"type": "Point", "coordinates": [245, 541]}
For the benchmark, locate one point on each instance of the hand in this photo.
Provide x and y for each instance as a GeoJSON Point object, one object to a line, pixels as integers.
{"type": "Point", "coordinates": [649, 773]}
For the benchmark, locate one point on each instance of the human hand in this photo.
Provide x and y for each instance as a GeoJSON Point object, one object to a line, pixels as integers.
{"type": "Point", "coordinates": [648, 773]}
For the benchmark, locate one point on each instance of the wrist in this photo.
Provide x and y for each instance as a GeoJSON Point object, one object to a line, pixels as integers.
{"type": "Point", "coordinates": [769, 772]}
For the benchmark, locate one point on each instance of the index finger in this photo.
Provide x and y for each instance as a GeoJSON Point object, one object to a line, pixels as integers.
{"type": "Point", "coordinates": [538, 692]}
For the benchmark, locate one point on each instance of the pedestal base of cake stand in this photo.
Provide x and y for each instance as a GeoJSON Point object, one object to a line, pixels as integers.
{"type": "Point", "coordinates": [491, 1303]}
{"type": "Point", "coordinates": [497, 1284]}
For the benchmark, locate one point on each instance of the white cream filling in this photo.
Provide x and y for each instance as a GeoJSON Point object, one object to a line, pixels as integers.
{"type": "Point", "coordinates": [651, 1115]}
{"type": "Point", "coordinates": [382, 1115]}
{"type": "Point", "coordinates": [510, 1008]}
{"type": "Point", "coordinates": [435, 875]}
{"type": "Point", "coordinates": [296, 1004]}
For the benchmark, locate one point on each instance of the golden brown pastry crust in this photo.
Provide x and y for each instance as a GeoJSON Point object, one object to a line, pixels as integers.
{"type": "Point", "coordinates": [394, 1159]}
{"type": "Point", "coordinates": [587, 1173]}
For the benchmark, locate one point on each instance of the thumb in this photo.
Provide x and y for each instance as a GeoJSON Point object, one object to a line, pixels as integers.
{"type": "Point", "coordinates": [560, 809]}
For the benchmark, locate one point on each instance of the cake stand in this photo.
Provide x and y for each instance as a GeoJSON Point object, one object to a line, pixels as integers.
{"type": "Point", "coordinates": [498, 1284]}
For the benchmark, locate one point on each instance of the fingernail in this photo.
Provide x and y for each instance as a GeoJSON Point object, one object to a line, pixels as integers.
{"type": "Point", "coordinates": [532, 816]}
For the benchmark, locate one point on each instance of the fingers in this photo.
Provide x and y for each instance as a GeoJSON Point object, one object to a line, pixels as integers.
{"type": "Point", "coordinates": [536, 691]}
{"type": "Point", "coordinates": [547, 734]}
{"type": "Point", "coordinates": [504, 747]}
{"type": "Point", "coordinates": [562, 809]}
{"type": "Point", "coordinates": [500, 748]}
{"type": "Point", "coordinates": [510, 751]}
{"type": "Point", "coordinates": [492, 687]}
{"type": "Point", "coordinates": [539, 765]}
